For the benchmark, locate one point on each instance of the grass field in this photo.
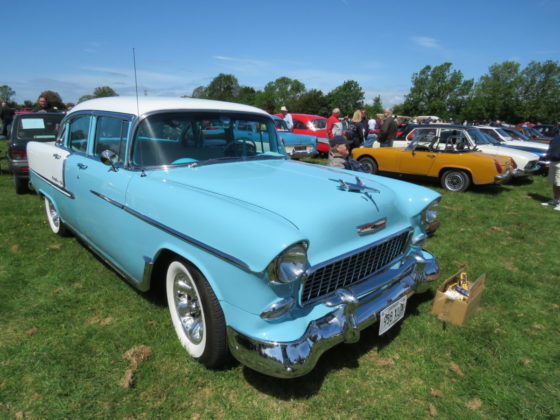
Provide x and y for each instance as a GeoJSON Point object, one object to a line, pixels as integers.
{"type": "Point", "coordinates": [67, 322]}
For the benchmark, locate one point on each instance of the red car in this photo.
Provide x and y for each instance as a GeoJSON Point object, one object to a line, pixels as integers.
{"type": "Point", "coordinates": [313, 125]}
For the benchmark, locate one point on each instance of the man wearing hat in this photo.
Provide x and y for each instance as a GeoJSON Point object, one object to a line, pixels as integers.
{"type": "Point", "coordinates": [339, 155]}
{"type": "Point", "coordinates": [287, 117]}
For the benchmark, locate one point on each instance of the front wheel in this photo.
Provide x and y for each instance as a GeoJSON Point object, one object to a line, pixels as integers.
{"type": "Point", "coordinates": [196, 314]}
{"type": "Point", "coordinates": [455, 180]}
{"type": "Point", "coordinates": [369, 164]}
{"type": "Point", "coordinates": [56, 225]}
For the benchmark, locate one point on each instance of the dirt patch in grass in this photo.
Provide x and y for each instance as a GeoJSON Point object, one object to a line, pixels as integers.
{"type": "Point", "coordinates": [135, 356]}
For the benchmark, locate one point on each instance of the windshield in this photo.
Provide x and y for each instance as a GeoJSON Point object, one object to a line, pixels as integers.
{"type": "Point", "coordinates": [318, 124]}
{"type": "Point", "coordinates": [480, 138]}
{"type": "Point", "coordinates": [37, 128]}
{"type": "Point", "coordinates": [180, 138]}
{"type": "Point", "coordinates": [280, 125]}
{"type": "Point", "coordinates": [516, 135]}
{"type": "Point", "coordinates": [535, 133]}
{"type": "Point", "coordinates": [505, 135]}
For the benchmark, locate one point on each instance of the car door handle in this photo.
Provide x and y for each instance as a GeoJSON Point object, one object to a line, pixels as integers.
{"type": "Point", "coordinates": [431, 156]}
{"type": "Point", "coordinates": [82, 166]}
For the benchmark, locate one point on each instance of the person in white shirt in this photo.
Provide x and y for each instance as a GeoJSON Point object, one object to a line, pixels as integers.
{"type": "Point", "coordinates": [287, 117]}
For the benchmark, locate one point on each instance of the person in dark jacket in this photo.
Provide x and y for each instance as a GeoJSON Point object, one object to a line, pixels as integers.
{"type": "Point", "coordinates": [7, 116]}
{"type": "Point", "coordinates": [355, 132]}
{"type": "Point", "coordinates": [553, 155]}
{"type": "Point", "coordinates": [44, 105]}
{"type": "Point", "coordinates": [339, 155]}
{"type": "Point", "coordinates": [388, 129]}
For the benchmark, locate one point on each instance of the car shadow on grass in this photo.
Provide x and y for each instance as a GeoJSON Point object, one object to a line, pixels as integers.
{"type": "Point", "coordinates": [342, 356]}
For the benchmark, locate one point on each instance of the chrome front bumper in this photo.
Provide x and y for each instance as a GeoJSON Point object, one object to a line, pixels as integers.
{"type": "Point", "coordinates": [355, 308]}
{"type": "Point", "coordinates": [502, 179]}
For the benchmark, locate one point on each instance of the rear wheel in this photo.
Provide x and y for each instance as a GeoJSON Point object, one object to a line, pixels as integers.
{"type": "Point", "coordinates": [196, 314]}
{"type": "Point", "coordinates": [21, 185]}
{"type": "Point", "coordinates": [455, 180]}
{"type": "Point", "coordinates": [56, 225]}
{"type": "Point", "coordinates": [369, 164]}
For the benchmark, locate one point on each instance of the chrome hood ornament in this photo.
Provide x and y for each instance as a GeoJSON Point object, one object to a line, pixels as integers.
{"type": "Point", "coordinates": [358, 186]}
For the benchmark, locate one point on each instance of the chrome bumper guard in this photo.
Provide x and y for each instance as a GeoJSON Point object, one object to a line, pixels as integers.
{"type": "Point", "coordinates": [501, 179]}
{"type": "Point", "coordinates": [356, 308]}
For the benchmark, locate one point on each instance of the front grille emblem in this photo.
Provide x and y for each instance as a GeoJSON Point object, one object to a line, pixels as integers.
{"type": "Point", "coordinates": [372, 227]}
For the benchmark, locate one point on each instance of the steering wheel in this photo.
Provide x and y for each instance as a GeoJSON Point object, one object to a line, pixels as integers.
{"type": "Point", "coordinates": [241, 147]}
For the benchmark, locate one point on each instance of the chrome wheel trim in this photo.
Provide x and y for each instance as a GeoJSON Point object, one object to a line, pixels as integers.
{"type": "Point", "coordinates": [454, 181]}
{"type": "Point", "coordinates": [186, 309]}
{"type": "Point", "coordinates": [52, 216]}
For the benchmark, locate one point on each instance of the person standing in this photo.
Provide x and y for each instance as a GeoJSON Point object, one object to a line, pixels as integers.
{"type": "Point", "coordinates": [44, 105]}
{"type": "Point", "coordinates": [388, 129]}
{"type": "Point", "coordinates": [334, 126]}
{"type": "Point", "coordinates": [7, 116]}
{"type": "Point", "coordinates": [553, 155]}
{"type": "Point", "coordinates": [287, 117]}
{"type": "Point", "coordinates": [355, 132]}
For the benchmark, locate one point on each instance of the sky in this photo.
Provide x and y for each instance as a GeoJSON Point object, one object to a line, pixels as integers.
{"type": "Point", "coordinates": [74, 46]}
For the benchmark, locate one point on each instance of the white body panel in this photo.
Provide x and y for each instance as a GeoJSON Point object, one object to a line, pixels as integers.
{"type": "Point", "coordinates": [47, 160]}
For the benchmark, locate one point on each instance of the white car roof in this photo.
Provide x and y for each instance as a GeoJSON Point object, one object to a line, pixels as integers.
{"type": "Point", "coordinates": [128, 105]}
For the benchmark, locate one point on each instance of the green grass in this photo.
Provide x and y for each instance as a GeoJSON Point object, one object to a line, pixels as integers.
{"type": "Point", "coordinates": [66, 320]}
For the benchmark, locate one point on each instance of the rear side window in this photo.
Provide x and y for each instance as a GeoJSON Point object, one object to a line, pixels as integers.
{"type": "Point", "coordinates": [299, 125]}
{"type": "Point", "coordinates": [111, 134]}
{"type": "Point", "coordinates": [78, 133]}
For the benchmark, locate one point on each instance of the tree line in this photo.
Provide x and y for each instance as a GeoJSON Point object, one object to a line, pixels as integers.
{"type": "Point", "coordinates": [506, 92]}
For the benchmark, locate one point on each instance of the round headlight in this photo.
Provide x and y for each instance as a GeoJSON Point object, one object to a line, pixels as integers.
{"type": "Point", "coordinates": [430, 214]}
{"type": "Point", "coordinates": [290, 265]}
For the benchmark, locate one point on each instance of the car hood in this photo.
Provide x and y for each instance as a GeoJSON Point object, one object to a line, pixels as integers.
{"type": "Point", "coordinates": [535, 144]}
{"type": "Point", "coordinates": [519, 155]}
{"type": "Point", "coordinates": [272, 204]}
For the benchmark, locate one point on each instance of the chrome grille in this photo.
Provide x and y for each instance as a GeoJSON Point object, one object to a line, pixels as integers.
{"type": "Point", "coordinates": [350, 270]}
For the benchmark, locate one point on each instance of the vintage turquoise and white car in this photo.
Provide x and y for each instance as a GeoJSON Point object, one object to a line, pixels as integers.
{"type": "Point", "coordinates": [295, 145]}
{"type": "Point", "coordinates": [269, 259]}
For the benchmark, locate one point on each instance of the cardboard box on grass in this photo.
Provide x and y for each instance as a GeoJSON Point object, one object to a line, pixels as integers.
{"type": "Point", "coordinates": [454, 310]}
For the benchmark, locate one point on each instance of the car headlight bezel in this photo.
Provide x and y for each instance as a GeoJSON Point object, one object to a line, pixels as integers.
{"type": "Point", "coordinates": [430, 215]}
{"type": "Point", "coordinates": [290, 265]}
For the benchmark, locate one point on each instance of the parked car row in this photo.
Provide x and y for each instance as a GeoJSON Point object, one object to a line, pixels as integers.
{"type": "Point", "coordinates": [200, 198]}
{"type": "Point", "coordinates": [457, 155]}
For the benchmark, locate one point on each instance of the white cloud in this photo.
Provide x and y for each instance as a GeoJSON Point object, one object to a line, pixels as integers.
{"type": "Point", "coordinates": [425, 41]}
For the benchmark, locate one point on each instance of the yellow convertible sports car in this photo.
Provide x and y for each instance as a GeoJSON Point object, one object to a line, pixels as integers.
{"type": "Point", "coordinates": [447, 157]}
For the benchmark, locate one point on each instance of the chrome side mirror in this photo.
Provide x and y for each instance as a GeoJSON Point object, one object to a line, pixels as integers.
{"type": "Point", "coordinates": [109, 158]}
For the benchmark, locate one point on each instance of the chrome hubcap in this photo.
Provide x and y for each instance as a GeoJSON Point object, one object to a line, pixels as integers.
{"type": "Point", "coordinates": [454, 182]}
{"type": "Point", "coordinates": [53, 214]}
{"type": "Point", "coordinates": [188, 308]}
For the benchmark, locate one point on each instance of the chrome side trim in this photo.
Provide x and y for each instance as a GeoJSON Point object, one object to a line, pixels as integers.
{"type": "Point", "coordinates": [351, 314]}
{"type": "Point", "coordinates": [175, 233]}
{"type": "Point", "coordinates": [55, 186]}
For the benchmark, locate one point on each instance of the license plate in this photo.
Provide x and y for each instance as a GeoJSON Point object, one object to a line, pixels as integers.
{"type": "Point", "coordinates": [300, 148]}
{"type": "Point", "coordinates": [391, 315]}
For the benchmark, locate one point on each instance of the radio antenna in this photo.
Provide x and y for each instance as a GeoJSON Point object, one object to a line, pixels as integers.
{"type": "Point", "coordinates": [135, 81]}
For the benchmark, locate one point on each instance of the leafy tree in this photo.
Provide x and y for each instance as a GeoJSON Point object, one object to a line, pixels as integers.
{"type": "Point", "coordinates": [376, 108]}
{"type": "Point", "coordinates": [224, 87]}
{"type": "Point", "coordinates": [437, 91]}
{"type": "Point", "coordinates": [54, 99]}
{"type": "Point", "coordinates": [85, 98]}
{"type": "Point", "coordinates": [311, 102]}
{"type": "Point", "coordinates": [6, 92]}
{"type": "Point", "coordinates": [348, 97]}
{"type": "Point", "coordinates": [104, 92]}
{"type": "Point", "coordinates": [247, 95]}
{"type": "Point", "coordinates": [540, 91]}
{"type": "Point", "coordinates": [497, 94]}
{"type": "Point", "coordinates": [199, 92]}
{"type": "Point", "coordinates": [28, 104]}
{"type": "Point", "coordinates": [283, 91]}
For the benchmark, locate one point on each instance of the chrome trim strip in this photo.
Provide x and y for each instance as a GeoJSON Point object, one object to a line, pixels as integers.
{"type": "Point", "coordinates": [55, 186]}
{"type": "Point", "coordinates": [175, 233]}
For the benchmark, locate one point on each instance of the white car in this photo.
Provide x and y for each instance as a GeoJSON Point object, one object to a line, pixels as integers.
{"type": "Point", "coordinates": [504, 137]}
{"type": "Point", "coordinates": [525, 162]}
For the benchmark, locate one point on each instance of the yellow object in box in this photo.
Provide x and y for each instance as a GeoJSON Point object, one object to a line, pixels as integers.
{"type": "Point", "coordinates": [457, 310]}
